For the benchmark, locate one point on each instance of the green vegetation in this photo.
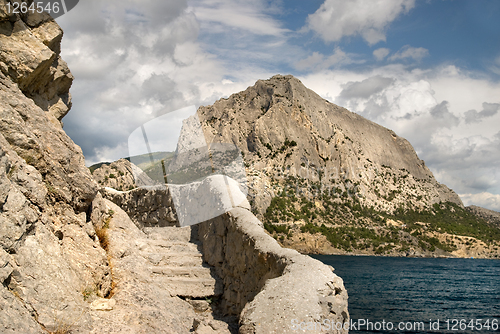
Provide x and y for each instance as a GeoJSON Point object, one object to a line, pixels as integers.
{"type": "Point", "coordinates": [12, 169]}
{"type": "Point", "coordinates": [450, 218]}
{"type": "Point", "coordinates": [30, 160]}
{"type": "Point", "coordinates": [348, 225]}
{"type": "Point", "coordinates": [90, 291]}
{"type": "Point", "coordinates": [278, 229]}
{"type": "Point", "coordinates": [351, 237]}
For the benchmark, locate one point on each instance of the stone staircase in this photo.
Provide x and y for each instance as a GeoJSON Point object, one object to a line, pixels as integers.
{"type": "Point", "coordinates": [177, 263]}
{"type": "Point", "coordinates": [162, 284]}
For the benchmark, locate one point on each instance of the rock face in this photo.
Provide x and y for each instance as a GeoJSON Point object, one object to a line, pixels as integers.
{"type": "Point", "coordinates": [35, 85]}
{"type": "Point", "coordinates": [146, 207]}
{"type": "Point", "coordinates": [492, 217]}
{"type": "Point", "coordinates": [49, 249]}
{"type": "Point", "coordinates": [30, 57]}
{"type": "Point", "coordinates": [285, 129]}
{"type": "Point", "coordinates": [118, 175]}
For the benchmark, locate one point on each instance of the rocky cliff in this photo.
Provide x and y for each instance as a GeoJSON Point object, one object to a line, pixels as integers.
{"type": "Point", "coordinates": [72, 261]}
{"type": "Point", "coordinates": [493, 217]}
{"type": "Point", "coordinates": [49, 249]}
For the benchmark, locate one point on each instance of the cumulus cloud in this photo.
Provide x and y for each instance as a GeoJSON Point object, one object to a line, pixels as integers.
{"type": "Point", "coordinates": [318, 61]}
{"type": "Point", "coordinates": [483, 199]}
{"type": "Point", "coordinates": [408, 52]}
{"type": "Point", "coordinates": [391, 98]}
{"type": "Point", "coordinates": [135, 60]}
{"type": "Point", "coordinates": [381, 53]}
{"type": "Point", "coordinates": [441, 113]}
{"type": "Point", "coordinates": [365, 88]}
{"type": "Point", "coordinates": [336, 19]}
{"type": "Point", "coordinates": [489, 109]}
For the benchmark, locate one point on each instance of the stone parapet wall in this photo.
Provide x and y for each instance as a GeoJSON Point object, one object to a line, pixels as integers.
{"type": "Point", "coordinates": [146, 207]}
{"type": "Point", "coordinates": [271, 288]}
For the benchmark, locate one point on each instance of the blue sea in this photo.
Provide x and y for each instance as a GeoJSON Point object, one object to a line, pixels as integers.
{"type": "Point", "coordinates": [410, 295]}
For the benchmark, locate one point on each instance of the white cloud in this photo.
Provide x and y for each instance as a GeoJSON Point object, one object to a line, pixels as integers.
{"type": "Point", "coordinates": [365, 88]}
{"type": "Point", "coordinates": [145, 60]}
{"type": "Point", "coordinates": [336, 19]}
{"type": "Point", "coordinates": [244, 15]}
{"type": "Point", "coordinates": [318, 61]}
{"type": "Point", "coordinates": [484, 199]}
{"type": "Point", "coordinates": [381, 53]}
{"type": "Point", "coordinates": [489, 109]}
{"type": "Point", "coordinates": [407, 52]}
{"type": "Point", "coordinates": [134, 60]}
{"type": "Point", "coordinates": [495, 66]}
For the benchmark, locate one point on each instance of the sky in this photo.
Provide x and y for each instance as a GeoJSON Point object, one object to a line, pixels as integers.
{"type": "Point", "coordinates": [427, 69]}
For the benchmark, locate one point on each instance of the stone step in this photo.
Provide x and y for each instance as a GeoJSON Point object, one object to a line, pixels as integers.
{"type": "Point", "coordinates": [182, 260]}
{"type": "Point", "coordinates": [191, 287]}
{"type": "Point", "coordinates": [173, 271]}
{"type": "Point", "coordinates": [162, 245]}
{"type": "Point", "coordinates": [169, 233]}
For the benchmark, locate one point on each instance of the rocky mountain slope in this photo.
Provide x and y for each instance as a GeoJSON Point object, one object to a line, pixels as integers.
{"type": "Point", "coordinates": [324, 179]}
{"type": "Point", "coordinates": [287, 131]}
{"type": "Point", "coordinates": [492, 217]}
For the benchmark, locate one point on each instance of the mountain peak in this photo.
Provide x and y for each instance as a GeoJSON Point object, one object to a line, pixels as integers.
{"type": "Point", "coordinates": [331, 145]}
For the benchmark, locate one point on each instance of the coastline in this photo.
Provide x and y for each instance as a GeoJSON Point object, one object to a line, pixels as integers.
{"type": "Point", "coordinates": [317, 244]}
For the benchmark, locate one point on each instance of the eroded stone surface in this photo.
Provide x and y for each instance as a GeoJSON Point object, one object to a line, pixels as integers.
{"type": "Point", "coordinates": [267, 285]}
{"type": "Point", "coordinates": [146, 207]}
{"type": "Point", "coordinates": [156, 275]}
{"type": "Point", "coordinates": [49, 250]}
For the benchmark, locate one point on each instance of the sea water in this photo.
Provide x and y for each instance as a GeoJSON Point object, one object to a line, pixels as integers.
{"type": "Point", "coordinates": [420, 295]}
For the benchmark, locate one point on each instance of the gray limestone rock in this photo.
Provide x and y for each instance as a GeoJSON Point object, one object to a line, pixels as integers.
{"type": "Point", "coordinates": [266, 285]}
{"type": "Point", "coordinates": [492, 217]}
{"type": "Point", "coordinates": [145, 206]}
{"type": "Point", "coordinates": [50, 256]}
{"type": "Point", "coordinates": [118, 175]}
{"type": "Point", "coordinates": [284, 129]}
{"type": "Point", "coordinates": [156, 275]}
